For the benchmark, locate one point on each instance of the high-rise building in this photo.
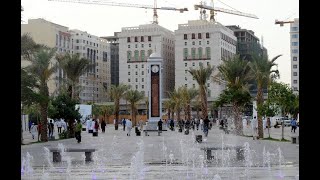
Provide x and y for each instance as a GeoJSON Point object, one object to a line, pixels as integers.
{"type": "Point", "coordinates": [202, 42]}
{"type": "Point", "coordinates": [294, 47]}
{"type": "Point", "coordinates": [136, 44]}
{"type": "Point", "coordinates": [113, 42]}
{"type": "Point", "coordinates": [74, 41]}
{"type": "Point", "coordinates": [54, 36]}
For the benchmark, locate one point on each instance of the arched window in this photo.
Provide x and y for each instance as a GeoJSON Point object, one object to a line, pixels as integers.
{"type": "Point", "coordinates": [129, 55]}
{"type": "Point", "coordinates": [142, 54]}
{"type": "Point", "coordinates": [200, 52]}
{"type": "Point", "coordinates": [136, 55]}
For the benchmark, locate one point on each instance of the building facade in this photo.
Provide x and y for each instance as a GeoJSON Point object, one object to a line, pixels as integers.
{"type": "Point", "coordinates": [136, 44]}
{"type": "Point", "coordinates": [74, 42]}
{"type": "Point", "coordinates": [202, 42]}
{"type": "Point", "coordinates": [113, 42]}
{"type": "Point", "coordinates": [294, 48]}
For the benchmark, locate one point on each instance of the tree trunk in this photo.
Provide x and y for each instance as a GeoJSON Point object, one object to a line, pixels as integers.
{"type": "Point", "coordinates": [204, 103]}
{"type": "Point", "coordinates": [133, 112]}
{"type": "Point", "coordinates": [70, 91]}
{"type": "Point", "coordinates": [117, 113]}
{"type": "Point", "coordinates": [189, 111]}
{"type": "Point", "coordinates": [172, 114]}
{"type": "Point", "coordinates": [259, 103]}
{"type": "Point", "coordinates": [178, 114]}
{"type": "Point", "coordinates": [237, 120]}
{"type": "Point", "coordinates": [198, 113]}
{"type": "Point", "coordinates": [71, 128]}
{"type": "Point", "coordinates": [44, 122]}
{"type": "Point", "coordinates": [185, 109]}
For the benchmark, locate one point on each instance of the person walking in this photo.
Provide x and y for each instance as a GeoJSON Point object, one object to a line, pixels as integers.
{"type": "Point", "coordinates": [172, 125]}
{"type": "Point", "coordinates": [160, 125]}
{"type": "Point", "coordinates": [197, 123]}
{"type": "Point", "coordinates": [124, 122]}
{"type": "Point", "coordinates": [103, 126]}
{"type": "Point", "coordinates": [33, 130]}
{"type": "Point", "coordinates": [254, 126]}
{"type": "Point", "coordinates": [29, 126]}
{"type": "Point", "coordinates": [206, 122]}
{"type": "Point", "coordinates": [293, 125]}
{"type": "Point", "coordinates": [50, 128]}
{"type": "Point", "coordinates": [129, 126]}
{"type": "Point", "coordinates": [78, 131]}
{"type": "Point", "coordinates": [201, 124]}
{"type": "Point", "coordinates": [59, 125]}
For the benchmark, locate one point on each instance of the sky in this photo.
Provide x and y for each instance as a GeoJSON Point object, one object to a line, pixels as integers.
{"type": "Point", "coordinates": [103, 20]}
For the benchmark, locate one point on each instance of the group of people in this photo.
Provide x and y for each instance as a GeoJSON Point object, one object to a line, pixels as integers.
{"type": "Point", "coordinates": [35, 128]}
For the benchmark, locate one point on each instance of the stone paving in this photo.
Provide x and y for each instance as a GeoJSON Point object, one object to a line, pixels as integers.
{"type": "Point", "coordinates": [172, 155]}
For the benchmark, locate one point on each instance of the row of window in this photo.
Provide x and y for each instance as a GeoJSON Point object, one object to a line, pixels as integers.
{"type": "Point", "coordinates": [295, 44]}
{"type": "Point", "coordinates": [295, 51]}
{"type": "Point", "coordinates": [295, 81]}
{"type": "Point", "coordinates": [199, 55]}
{"type": "Point", "coordinates": [84, 41]}
{"type": "Point", "coordinates": [142, 66]}
{"type": "Point", "coordinates": [142, 80]}
{"type": "Point", "coordinates": [136, 55]}
{"type": "Point", "coordinates": [88, 95]}
{"type": "Point", "coordinates": [193, 64]}
{"type": "Point", "coordinates": [295, 36]}
{"type": "Point", "coordinates": [294, 28]}
{"type": "Point", "coordinates": [142, 73]}
{"type": "Point", "coordinates": [136, 39]}
{"type": "Point", "coordinates": [193, 36]}
{"type": "Point", "coordinates": [136, 45]}
{"type": "Point", "coordinates": [228, 39]}
{"type": "Point", "coordinates": [193, 43]}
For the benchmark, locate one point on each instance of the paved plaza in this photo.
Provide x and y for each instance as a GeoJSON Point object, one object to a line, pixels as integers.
{"type": "Point", "coordinates": [172, 155]}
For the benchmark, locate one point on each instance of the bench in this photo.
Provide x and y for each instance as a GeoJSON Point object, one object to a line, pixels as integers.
{"type": "Point", "coordinates": [239, 151]}
{"type": "Point", "coordinates": [57, 153]}
{"type": "Point", "coordinates": [146, 131]}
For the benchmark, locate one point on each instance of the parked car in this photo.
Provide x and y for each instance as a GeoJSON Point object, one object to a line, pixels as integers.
{"type": "Point", "coordinates": [285, 120]}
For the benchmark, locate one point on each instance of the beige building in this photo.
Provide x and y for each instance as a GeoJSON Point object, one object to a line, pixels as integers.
{"type": "Point", "coordinates": [74, 41]}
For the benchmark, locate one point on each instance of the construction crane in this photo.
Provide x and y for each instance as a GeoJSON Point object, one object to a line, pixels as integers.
{"type": "Point", "coordinates": [213, 9]}
{"type": "Point", "coordinates": [282, 22]}
{"type": "Point", "coordinates": [110, 3]}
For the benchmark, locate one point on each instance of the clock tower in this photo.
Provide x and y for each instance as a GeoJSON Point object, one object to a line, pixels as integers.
{"type": "Point", "coordinates": [154, 67]}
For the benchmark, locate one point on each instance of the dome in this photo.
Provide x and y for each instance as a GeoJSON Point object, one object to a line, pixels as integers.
{"type": "Point", "coordinates": [155, 55]}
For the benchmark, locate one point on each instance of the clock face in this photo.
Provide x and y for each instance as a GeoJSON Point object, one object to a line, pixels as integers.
{"type": "Point", "coordinates": [155, 69]}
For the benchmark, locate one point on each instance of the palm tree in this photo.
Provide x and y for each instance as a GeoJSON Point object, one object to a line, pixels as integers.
{"type": "Point", "coordinates": [175, 96]}
{"type": "Point", "coordinates": [116, 92]}
{"type": "Point", "coordinates": [168, 106]}
{"type": "Point", "coordinates": [187, 96]}
{"type": "Point", "coordinates": [107, 111]}
{"type": "Point", "coordinates": [74, 67]}
{"type": "Point", "coordinates": [197, 106]}
{"type": "Point", "coordinates": [40, 68]}
{"type": "Point", "coordinates": [28, 46]}
{"type": "Point", "coordinates": [146, 100]}
{"type": "Point", "coordinates": [261, 73]}
{"type": "Point", "coordinates": [134, 96]}
{"type": "Point", "coordinates": [202, 75]}
{"type": "Point", "coordinates": [235, 73]}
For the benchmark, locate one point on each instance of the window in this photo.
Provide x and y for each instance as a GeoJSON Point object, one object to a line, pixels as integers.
{"type": "Point", "coordinates": [149, 45]}
{"type": "Point", "coordinates": [193, 43]}
{"type": "Point", "coordinates": [207, 35]}
{"type": "Point", "coordinates": [294, 43]}
{"type": "Point", "coordinates": [142, 65]}
{"type": "Point", "coordinates": [142, 39]}
{"type": "Point", "coordinates": [295, 88]}
{"type": "Point", "coordinates": [136, 45]}
{"type": "Point", "coordinates": [142, 86]}
{"type": "Point", "coordinates": [142, 72]}
{"type": "Point", "coordinates": [209, 93]}
{"type": "Point", "coordinates": [77, 41]}
{"type": "Point", "coordinates": [193, 53]}
{"type": "Point", "coordinates": [294, 50]}
{"type": "Point", "coordinates": [294, 28]}
{"type": "Point", "coordinates": [136, 55]}
{"type": "Point", "coordinates": [142, 45]}
{"type": "Point", "coordinates": [128, 39]}
{"type": "Point", "coordinates": [193, 36]}
{"type": "Point", "coordinates": [129, 46]}
{"type": "Point", "coordinates": [295, 81]}
{"type": "Point", "coordinates": [193, 64]}
{"type": "Point", "coordinates": [294, 36]}
{"type": "Point", "coordinates": [129, 55]}
{"type": "Point", "coordinates": [57, 37]}
{"type": "Point", "coordinates": [185, 53]}
{"type": "Point", "coordinates": [208, 53]}
{"type": "Point", "coordinates": [135, 39]}
{"type": "Point", "coordinates": [294, 58]}
{"type": "Point", "coordinates": [200, 52]}
{"type": "Point", "coordinates": [136, 79]}
{"type": "Point", "coordinates": [185, 36]}
{"type": "Point", "coordinates": [94, 44]}
{"type": "Point", "coordinates": [128, 66]}
{"type": "Point", "coordinates": [185, 43]}
{"type": "Point", "coordinates": [207, 42]}
{"type": "Point", "coordinates": [199, 35]}
{"type": "Point", "coordinates": [129, 73]}
{"type": "Point", "coordinates": [295, 74]}
{"type": "Point", "coordinates": [142, 53]}
{"type": "Point", "coordinates": [136, 72]}
{"type": "Point", "coordinates": [185, 85]}
{"type": "Point", "coordinates": [199, 42]}
{"type": "Point", "coordinates": [185, 78]}
{"type": "Point", "coordinates": [193, 85]}
{"type": "Point", "coordinates": [142, 80]}
{"type": "Point", "coordinates": [77, 47]}
{"type": "Point", "coordinates": [185, 71]}
{"type": "Point", "coordinates": [136, 66]}
{"type": "Point", "coordinates": [136, 86]}
{"type": "Point", "coordinates": [295, 66]}
{"type": "Point", "coordinates": [185, 64]}
{"type": "Point", "coordinates": [149, 38]}
{"type": "Point", "coordinates": [208, 63]}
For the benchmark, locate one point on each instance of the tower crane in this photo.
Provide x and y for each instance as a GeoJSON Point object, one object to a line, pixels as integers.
{"type": "Point", "coordinates": [213, 9]}
{"type": "Point", "coordinates": [282, 22]}
{"type": "Point", "coordinates": [143, 6]}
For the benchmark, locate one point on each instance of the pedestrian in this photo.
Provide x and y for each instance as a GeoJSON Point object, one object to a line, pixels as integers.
{"type": "Point", "coordinates": [254, 126]}
{"type": "Point", "coordinates": [293, 125]}
{"type": "Point", "coordinates": [160, 125]}
{"type": "Point", "coordinates": [59, 125]}
{"type": "Point", "coordinates": [33, 130]}
{"type": "Point", "coordinates": [39, 131]}
{"type": "Point", "coordinates": [129, 126]}
{"type": "Point", "coordinates": [124, 121]}
{"type": "Point", "coordinates": [88, 125]}
{"type": "Point", "coordinates": [197, 123]}
{"type": "Point", "coordinates": [103, 126]}
{"type": "Point", "coordinates": [201, 124]}
{"type": "Point", "coordinates": [141, 124]}
{"type": "Point", "coordinates": [78, 130]}
{"type": "Point", "coordinates": [206, 122]}
{"type": "Point", "coordinates": [50, 128]}
{"type": "Point", "coordinates": [29, 126]}
{"type": "Point", "coordinates": [172, 125]}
